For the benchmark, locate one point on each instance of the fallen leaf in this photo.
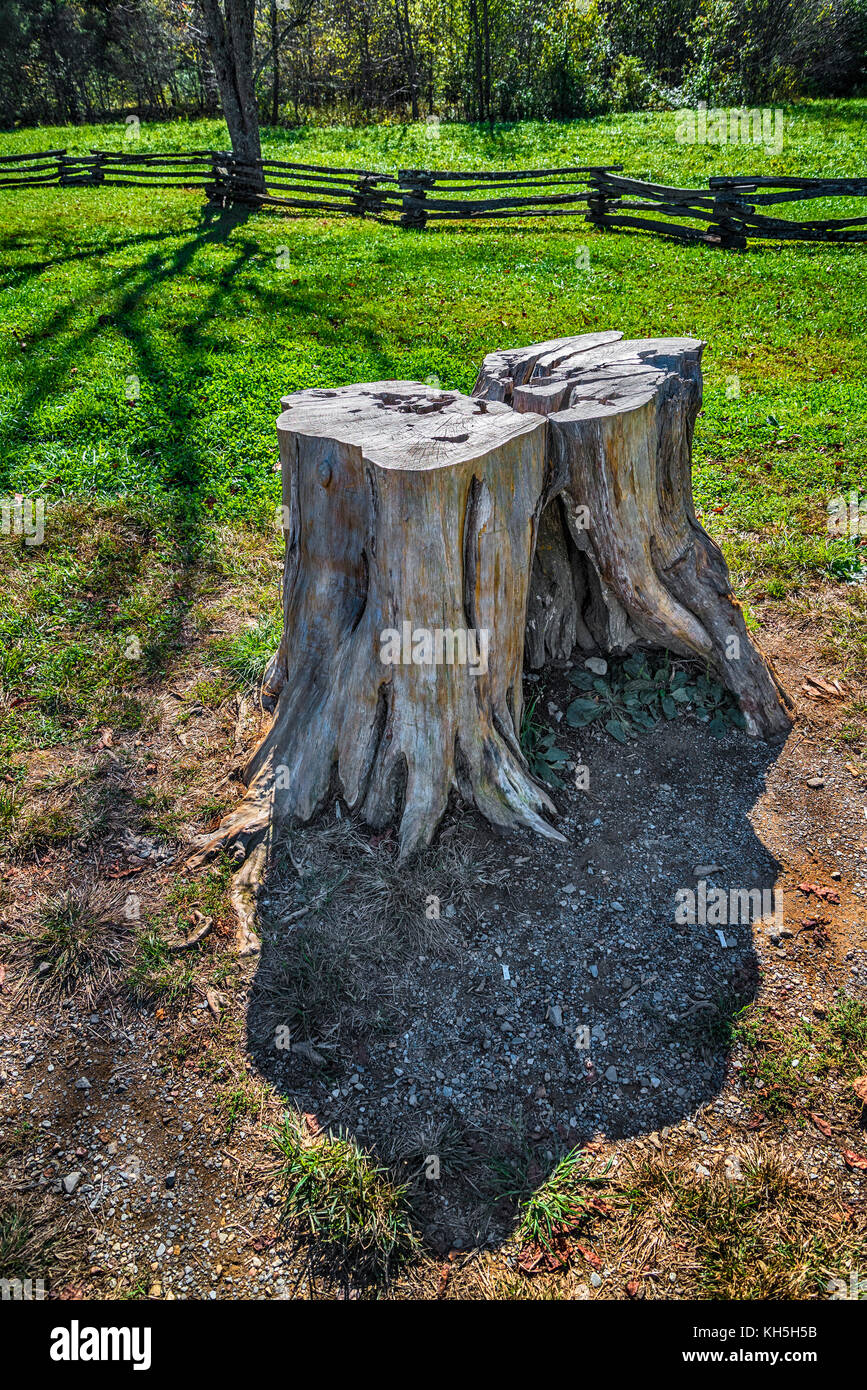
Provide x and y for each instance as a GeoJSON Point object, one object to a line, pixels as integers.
{"type": "Point", "coordinates": [859, 1086]}
{"type": "Point", "coordinates": [853, 1160]}
{"type": "Point", "coordinates": [602, 1207]}
{"type": "Point", "coordinates": [633, 1288]}
{"type": "Point", "coordinates": [532, 1259]}
{"type": "Point", "coordinates": [827, 895]}
{"type": "Point", "coordinates": [822, 685]}
{"type": "Point", "coordinates": [213, 1003]}
{"type": "Point", "coordinates": [821, 1125]}
{"type": "Point", "coordinates": [590, 1256]}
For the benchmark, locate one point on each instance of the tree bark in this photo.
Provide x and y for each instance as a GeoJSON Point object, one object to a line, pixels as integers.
{"type": "Point", "coordinates": [623, 560]}
{"type": "Point", "coordinates": [275, 66]}
{"type": "Point", "coordinates": [549, 512]}
{"type": "Point", "coordinates": [412, 512]}
{"type": "Point", "coordinates": [229, 28]}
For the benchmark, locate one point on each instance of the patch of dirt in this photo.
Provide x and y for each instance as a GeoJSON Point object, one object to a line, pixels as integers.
{"type": "Point", "coordinates": [501, 1001]}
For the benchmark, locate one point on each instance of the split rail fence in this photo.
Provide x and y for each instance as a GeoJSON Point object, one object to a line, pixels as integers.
{"type": "Point", "coordinates": [729, 212]}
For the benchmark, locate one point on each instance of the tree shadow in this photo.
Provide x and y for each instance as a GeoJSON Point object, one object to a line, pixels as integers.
{"type": "Point", "coordinates": [555, 999]}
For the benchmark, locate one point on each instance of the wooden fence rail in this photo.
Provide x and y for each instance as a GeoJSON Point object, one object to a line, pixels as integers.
{"type": "Point", "coordinates": [727, 213]}
{"type": "Point", "coordinates": [728, 207]}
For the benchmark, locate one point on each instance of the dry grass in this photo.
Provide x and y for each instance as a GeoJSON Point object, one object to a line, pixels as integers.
{"type": "Point", "coordinates": [341, 968]}
{"type": "Point", "coordinates": [80, 945]}
{"type": "Point", "coordinates": [35, 1239]}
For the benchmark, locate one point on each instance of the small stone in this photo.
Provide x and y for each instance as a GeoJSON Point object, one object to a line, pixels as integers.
{"type": "Point", "coordinates": [597, 664]}
{"type": "Point", "coordinates": [596, 1279]}
{"type": "Point", "coordinates": [82, 1084]}
{"type": "Point", "coordinates": [555, 1015]}
{"type": "Point", "coordinates": [815, 781]}
{"type": "Point", "coordinates": [70, 1182]}
{"type": "Point", "coordinates": [171, 1179]}
{"type": "Point", "coordinates": [611, 1074]}
{"type": "Point", "coordinates": [705, 870]}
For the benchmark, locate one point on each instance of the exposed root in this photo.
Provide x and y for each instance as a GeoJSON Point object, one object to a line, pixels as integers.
{"type": "Point", "coordinates": [242, 893]}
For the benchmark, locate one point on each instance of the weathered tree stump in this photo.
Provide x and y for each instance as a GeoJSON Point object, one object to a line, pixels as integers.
{"type": "Point", "coordinates": [435, 541]}
{"type": "Point", "coordinates": [622, 560]}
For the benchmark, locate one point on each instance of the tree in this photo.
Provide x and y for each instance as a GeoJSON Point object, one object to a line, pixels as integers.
{"type": "Point", "coordinates": [229, 28]}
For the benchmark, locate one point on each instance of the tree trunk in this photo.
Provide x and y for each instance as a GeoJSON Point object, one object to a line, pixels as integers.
{"type": "Point", "coordinates": [434, 541]}
{"type": "Point", "coordinates": [229, 27]}
{"type": "Point", "coordinates": [410, 519]}
{"type": "Point", "coordinates": [275, 66]}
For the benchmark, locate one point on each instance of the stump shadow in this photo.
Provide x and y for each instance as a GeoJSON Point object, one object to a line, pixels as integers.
{"type": "Point", "coordinates": [451, 1048]}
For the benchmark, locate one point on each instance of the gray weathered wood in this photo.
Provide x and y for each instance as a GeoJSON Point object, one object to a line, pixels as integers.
{"type": "Point", "coordinates": [551, 511]}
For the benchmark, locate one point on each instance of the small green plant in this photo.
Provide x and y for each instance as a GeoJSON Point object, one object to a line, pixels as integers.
{"type": "Point", "coordinates": [783, 1064]}
{"type": "Point", "coordinates": [847, 561]}
{"type": "Point", "coordinates": [8, 809]}
{"type": "Point", "coordinates": [247, 655]}
{"type": "Point", "coordinates": [538, 746]}
{"type": "Point", "coordinates": [33, 1241]}
{"type": "Point", "coordinates": [346, 1201]}
{"type": "Point", "coordinates": [559, 1203]}
{"type": "Point", "coordinates": [156, 975]}
{"type": "Point", "coordinates": [635, 695]}
{"type": "Point", "coordinates": [239, 1102]}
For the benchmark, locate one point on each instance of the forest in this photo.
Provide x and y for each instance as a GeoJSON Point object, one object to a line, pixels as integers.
{"type": "Point", "coordinates": [73, 61]}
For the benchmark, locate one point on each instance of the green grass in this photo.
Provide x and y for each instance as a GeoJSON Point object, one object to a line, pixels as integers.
{"type": "Point", "coordinates": [79, 944]}
{"type": "Point", "coordinates": [157, 976]}
{"type": "Point", "coordinates": [764, 1235]}
{"type": "Point", "coordinates": [145, 344]}
{"type": "Point", "coordinates": [346, 1202]}
{"type": "Point", "coordinates": [788, 1067]}
{"type": "Point", "coordinates": [559, 1202]}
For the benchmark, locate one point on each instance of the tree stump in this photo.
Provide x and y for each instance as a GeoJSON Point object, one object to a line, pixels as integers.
{"type": "Point", "coordinates": [434, 542]}
{"type": "Point", "coordinates": [622, 560]}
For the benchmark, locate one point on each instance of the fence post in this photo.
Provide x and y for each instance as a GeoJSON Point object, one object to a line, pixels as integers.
{"type": "Point", "coordinates": [365, 198]}
{"type": "Point", "coordinates": [414, 183]}
{"type": "Point", "coordinates": [216, 189]}
{"type": "Point", "coordinates": [727, 204]}
{"type": "Point", "coordinates": [601, 201]}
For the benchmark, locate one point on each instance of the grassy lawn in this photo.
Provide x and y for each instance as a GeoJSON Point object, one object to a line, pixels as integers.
{"type": "Point", "coordinates": [145, 342]}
